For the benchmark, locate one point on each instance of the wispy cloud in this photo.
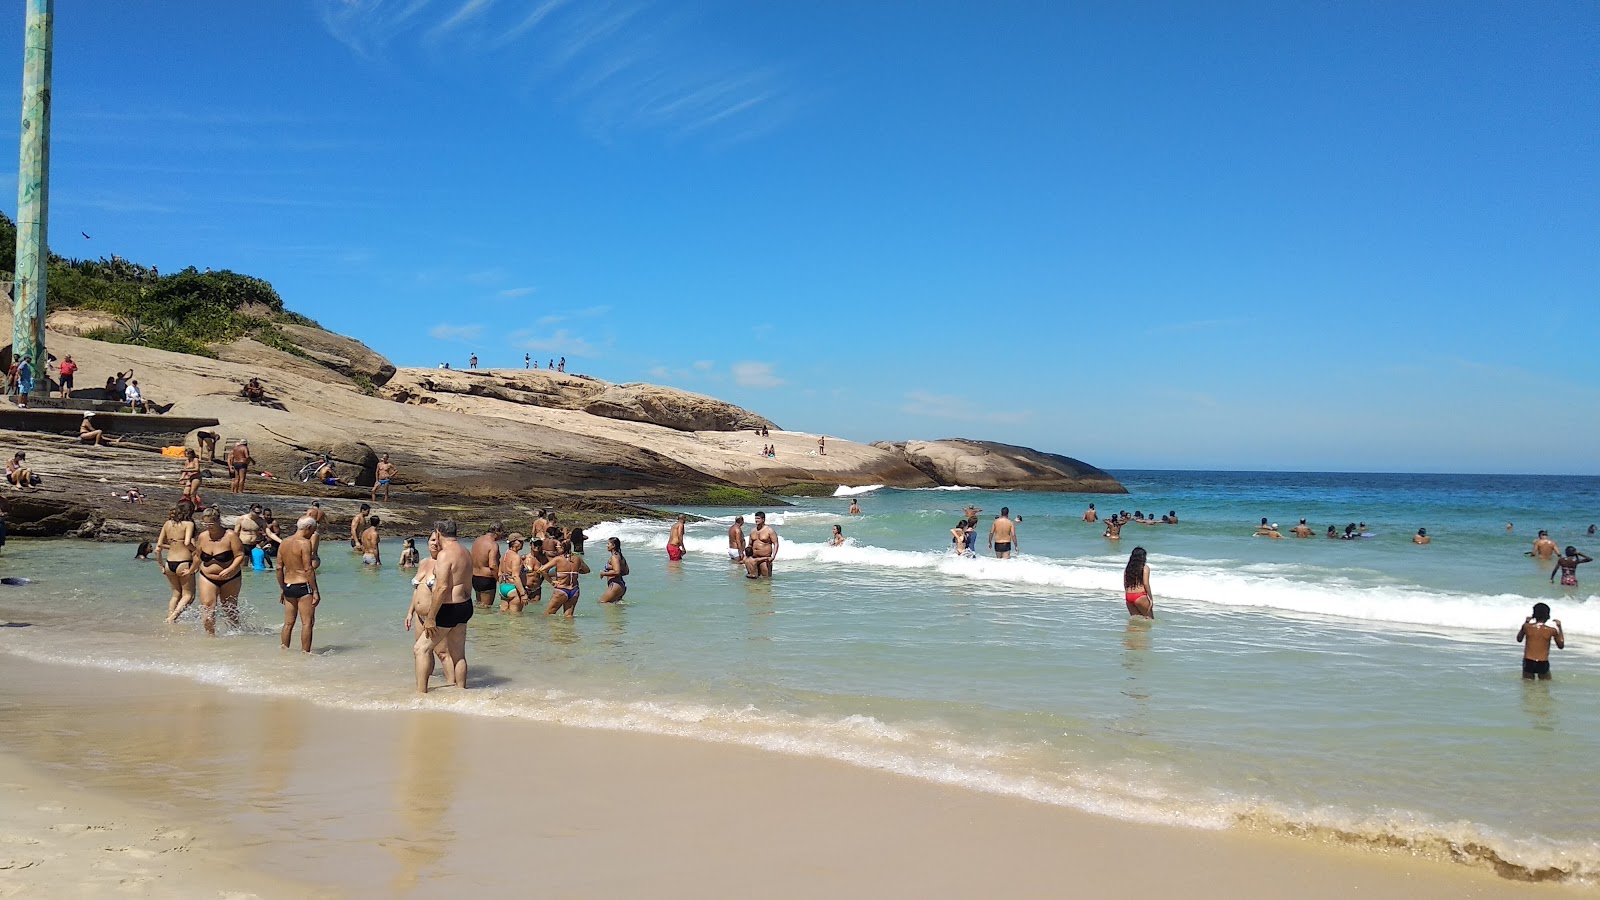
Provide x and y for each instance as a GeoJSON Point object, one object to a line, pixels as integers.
{"type": "Point", "coordinates": [547, 321]}
{"type": "Point", "coordinates": [619, 66]}
{"type": "Point", "coordinates": [456, 333]}
{"type": "Point", "coordinates": [704, 365]}
{"type": "Point", "coordinates": [561, 341]}
{"type": "Point", "coordinates": [755, 375]}
{"type": "Point", "coordinates": [510, 293]}
{"type": "Point", "coordinates": [959, 409]}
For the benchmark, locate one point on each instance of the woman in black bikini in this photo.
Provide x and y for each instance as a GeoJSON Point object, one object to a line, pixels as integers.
{"type": "Point", "coordinates": [222, 562]}
{"type": "Point", "coordinates": [175, 553]}
{"type": "Point", "coordinates": [615, 573]}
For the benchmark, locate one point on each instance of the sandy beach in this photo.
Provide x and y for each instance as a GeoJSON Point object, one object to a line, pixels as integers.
{"type": "Point", "coordinates": [156, 785]}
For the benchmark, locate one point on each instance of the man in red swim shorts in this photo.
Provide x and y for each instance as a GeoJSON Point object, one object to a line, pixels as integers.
{"type": "Point", "coordinates": [675, 546]}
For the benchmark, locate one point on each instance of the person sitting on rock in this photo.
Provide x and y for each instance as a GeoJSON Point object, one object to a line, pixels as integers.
{"type": "Point", "coordinates": [18, 473]}
{"type": "Point", "coordinates": [89, 434]}
{"type": "Point", "coordinates": [254, 392]}
{"type": "Point", "coordinates": [135, 398]}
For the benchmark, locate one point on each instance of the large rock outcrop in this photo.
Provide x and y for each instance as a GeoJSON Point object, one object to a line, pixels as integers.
{"type": "Point", "coordinates": [671, 408]}
{"type": "Point", "coordinates": [986, 464]}
{"type": "Point", "coordinates": [347, 356]}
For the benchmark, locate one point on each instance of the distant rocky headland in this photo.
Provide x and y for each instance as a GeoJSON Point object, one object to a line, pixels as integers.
{"type": "Point", "coordinates": [459, 437]}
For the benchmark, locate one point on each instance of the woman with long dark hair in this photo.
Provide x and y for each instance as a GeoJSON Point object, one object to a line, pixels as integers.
{"type": "Point", "coordinates": [1136, 586]}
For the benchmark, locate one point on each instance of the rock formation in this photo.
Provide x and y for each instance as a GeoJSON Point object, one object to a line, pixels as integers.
{"type": "Point", "coordinates": [986, 464]}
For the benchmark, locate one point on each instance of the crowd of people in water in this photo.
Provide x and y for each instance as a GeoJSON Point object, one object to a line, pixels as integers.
{"type": "Point", "coordinates": [205, 562]}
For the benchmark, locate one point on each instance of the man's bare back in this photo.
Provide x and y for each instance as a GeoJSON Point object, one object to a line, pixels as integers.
{"type": "Point", "coordinates": [1536, 634]}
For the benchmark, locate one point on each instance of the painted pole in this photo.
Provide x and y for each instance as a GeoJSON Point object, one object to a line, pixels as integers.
{"type": "Point", "coordinates": [33, 196]}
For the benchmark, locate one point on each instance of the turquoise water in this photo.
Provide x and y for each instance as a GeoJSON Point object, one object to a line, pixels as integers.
{"type": "Point", "coordinates": [1368, 690]}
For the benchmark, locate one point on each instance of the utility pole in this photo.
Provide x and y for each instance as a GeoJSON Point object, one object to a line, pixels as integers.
{"type": "Point", "coordinates": [33, 196]}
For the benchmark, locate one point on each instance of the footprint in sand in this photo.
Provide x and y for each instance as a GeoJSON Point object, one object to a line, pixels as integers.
{"type": "Point", "coordinates": [78, 828]}
{"type": "Point", "coordinates": [14, 865]}
{"type": "Point", "coordinates": [130, 852]}
{"type": "Point", "coordinates": [18, 839]}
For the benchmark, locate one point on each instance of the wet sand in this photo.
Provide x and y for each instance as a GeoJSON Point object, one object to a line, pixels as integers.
{"type": "Point", "coordinates": [413, 802]}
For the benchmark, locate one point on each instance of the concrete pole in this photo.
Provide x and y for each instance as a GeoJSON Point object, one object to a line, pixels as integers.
{"type": "Point", "coordinates": [33, 196]}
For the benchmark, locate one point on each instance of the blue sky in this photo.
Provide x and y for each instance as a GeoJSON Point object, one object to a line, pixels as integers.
{"type": "Point", "coordinates": [1276, 235]}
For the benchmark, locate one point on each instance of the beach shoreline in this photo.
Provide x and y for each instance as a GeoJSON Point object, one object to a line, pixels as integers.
{"type": "Point", "coordinates": [423, 802]}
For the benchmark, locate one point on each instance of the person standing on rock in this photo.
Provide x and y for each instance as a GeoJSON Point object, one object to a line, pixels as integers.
{"type": "Point", "coordinates": [486, 565]}
{"type": "Point", "coordinates": [239, 462]}
{"type": "Point", "coordinates": [562, 366]}
{"type": "Point", "coordinates": [675, 545]}
{"type": "Point", "coordinates": [527, 360]}
{"type": "Point", "coordinates": [358, 525]}
{"type": "Point", "coordinates": [189, 476]}
{"type": "Point", "coordinates": [763, 549]}
{"type": "Point", "coordinates": [822, 445]}
{"type": "Point", "coordinates": [297, 583]}
{"type": "Point", "coordinates": [384, 476]}
{"type": "Point", "coordinates": [472, 361]}
{"type": "Point", "coordinates": [736, 539]}
{"type": "Point", "coordinates": [1003, 534]}
{"type": "Point", "coordinates": [68, 368]}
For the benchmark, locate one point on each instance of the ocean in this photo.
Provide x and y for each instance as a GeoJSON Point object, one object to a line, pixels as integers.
{"type": "Point", "coordinates": [1365, 692]}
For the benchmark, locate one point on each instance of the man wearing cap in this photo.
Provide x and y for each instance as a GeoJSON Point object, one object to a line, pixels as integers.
{"type": "Point", "coordinates": [89, 434]}
{"type": "Point", "coordinates": [239, 463]}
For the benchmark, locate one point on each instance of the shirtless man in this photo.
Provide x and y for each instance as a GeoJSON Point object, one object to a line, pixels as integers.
{"type": "Point", "coordinates": [1113, 529]}
{"type": "Point", "coordinates": [1302, 530]}
{"type": "Point", "coordinates": [486, 565]}
{"type": "Point", "coordinates": [736, 540]}
{"type": "Point", "coordinates": [384, 476]}
{"type": "Point", "coordinates": [822, 446]}
{"type": "Point", "coordinates": [248, 527]}
{"type": "Point", "coordinates": [1002, 534]}
{"type": "Point", "coordinates": [855, 508]}
{"type": "Point", "coordinates": [971, 512]}
{"type": "Point", "coordinates": [763, 549]}
{"type": "Point", "coordinates": [314, 512]}
{"type": "Point", "coordinates": [1268, 530]}
{"type": "Point", "coordinates": [449, 608]}
{"type": "Point", "coordinates": [1538, 630]}
{"type": "Point", "coordinates": [370, 555]}
{"type": "Point", "coordinates": [1090, 515]}
{"type": "Point", "coordinates": [239, 462]}
{"type": "Point", "coordinates": [358, 525]}
{"type": "Point", "coordinates": [562, 572]}
{"type": "Point", "coordinates": [1544, 548]}
{"type": "Point", "coordinates": [297, 583]}
{"type": "Point", "coordinates": [675, 546]}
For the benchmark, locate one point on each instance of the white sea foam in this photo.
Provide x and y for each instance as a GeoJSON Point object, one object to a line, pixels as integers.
{"type": "Point", "coordinates": [1300, 590]}
{"type": "Point", "coordinates": [925, 750]}
{"type": "Point", "coordinates": [847, 491]}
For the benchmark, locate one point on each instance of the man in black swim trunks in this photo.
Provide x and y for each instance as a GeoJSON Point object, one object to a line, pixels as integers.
{"type": "Point", "coordinates": [239, 461]}
{"type": "Point", "coordinates": [1003, 534]}
{"type": "Point", "coordinates": [297, 584]}
{"type": "Point", "coordinates": [444, 621]}
{"type": "Point", "coordinates": [486, 565]}
{"type": "Point", "coordinates": [1538, 630]}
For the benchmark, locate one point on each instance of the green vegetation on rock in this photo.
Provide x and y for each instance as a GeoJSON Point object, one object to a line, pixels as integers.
{"type": "Point", "coordinates": [183, 312]}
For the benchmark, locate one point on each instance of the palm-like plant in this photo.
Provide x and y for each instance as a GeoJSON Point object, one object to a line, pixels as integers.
{"type": "Point", "coordinates": [133, 329]}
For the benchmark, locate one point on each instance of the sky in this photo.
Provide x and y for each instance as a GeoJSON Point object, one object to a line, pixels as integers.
{"type": "Point", "coordinates": [1343, 236]}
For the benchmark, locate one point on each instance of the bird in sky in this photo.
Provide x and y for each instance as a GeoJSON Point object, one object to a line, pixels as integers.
{"type": "Point", "coordinates": [86, 235]}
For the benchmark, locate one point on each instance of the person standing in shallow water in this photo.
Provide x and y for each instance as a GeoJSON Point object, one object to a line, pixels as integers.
{"type": "Point", "coordinates": [297, 584]}
{"type": "Point", "coordinates": [449, 608]}
{"type": "Point", "coordinates": [222, 560]}
{"type": "Point", "coordinates": [615, 573]}
{"type": "Point", "coordinates": [175, 554]}
{"type": "Point", "coordinates": [1567, 566]}
{"type": "Point", "coordinates": [1136, 586]}
{"type": "Point", "coordinates": [675, 545]}
{"type": "Point", "coordinates": [1536, 633]}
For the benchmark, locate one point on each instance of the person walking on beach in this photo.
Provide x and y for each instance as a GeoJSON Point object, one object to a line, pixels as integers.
{"type": "Point", "coordinates": [1543, 547]}
{"type": "Point", "coordinates": [763, 549]}
{"type": "Point", "coordinates": [449, 607]}
{"type": "Point", "coordinates": [384, 477]}
{"type": "Point", "coordinates": [175, 555]}
{"type": "Point", "coordinates": [1136, 586]}
{"type": "Point", "coordinates": [358, 524]}
{"type": "Point", "coordinates": [222, 560]}
{"type": "Point", "coordinates": [736, 540]}
{"type": "Point", "coordinates": [239, 462]}
{"type": "Point", "coordinates": [1536, 633]}
{"type": "Point", "coordinates": [1567, 567]}
{"type": "Point", "coordinates": [563, 571]}
{"type": "Point", "coordinates": [371, 554]}
{"type": "Point", "coordinates": [486, 565]}
{"type": "Point", "coordinates": [615, 573]}
{"type": "Point", "coordinates": [1003, 534]}
{"type": "Point", "coordinates": [189, 475]}
{"type": "Point", "coordinates": [675, 546]}
{"type": "Point", "coordinates": [297, 583]}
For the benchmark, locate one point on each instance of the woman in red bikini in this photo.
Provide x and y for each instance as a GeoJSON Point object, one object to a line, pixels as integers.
{"type": "Point", "coordinates": [1136, 586]}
